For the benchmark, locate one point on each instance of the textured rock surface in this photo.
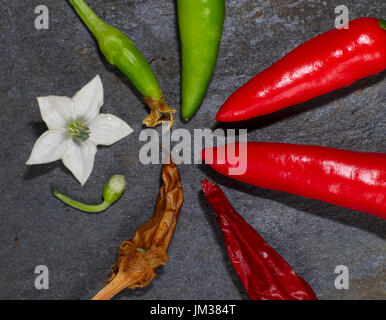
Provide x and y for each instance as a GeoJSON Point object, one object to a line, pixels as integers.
{"type": "Point", "coordinates": [79, 249]}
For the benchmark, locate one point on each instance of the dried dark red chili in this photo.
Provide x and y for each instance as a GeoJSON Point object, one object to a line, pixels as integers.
{"type": "Point", "coordinates": [264, 273]}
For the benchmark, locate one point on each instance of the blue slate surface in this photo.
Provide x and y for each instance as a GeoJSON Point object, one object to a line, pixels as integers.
{"type": "Point", "coordinates": [36, 229]}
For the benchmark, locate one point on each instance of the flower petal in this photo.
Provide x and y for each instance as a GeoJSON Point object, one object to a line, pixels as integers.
{"type": "Point", "coordinates": [56, 111]}
{"type": "Point", "coordinates": [107, 129]}
{"type": "Point", "coordinates": [79, 159]}
{"type": "Point", "coordinates": [89, 100]}
{"type": "Point", "coordinates": [49, 147]}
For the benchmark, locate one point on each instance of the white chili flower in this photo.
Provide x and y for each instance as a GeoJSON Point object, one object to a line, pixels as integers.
{"type": "Point", "coordinates": [75, 129]}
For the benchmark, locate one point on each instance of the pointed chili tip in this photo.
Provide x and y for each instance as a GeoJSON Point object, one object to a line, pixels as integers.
{"type": "Point", "coordinates": [231, 111]}
{"type": "Point", "coordinates": [205, 184]}
{"type": "Point", "coordinates": [208, 186]}
{"type": "Point", "coordinates": [222, 115]}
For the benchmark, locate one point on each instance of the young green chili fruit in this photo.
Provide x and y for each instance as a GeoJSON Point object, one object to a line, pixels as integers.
{"type": "Point", "coordinates": [200, 23]}
{"type": "Point", "coordinates": [111, 193]}
{"type": "Point", "coordinates": [120, 51]}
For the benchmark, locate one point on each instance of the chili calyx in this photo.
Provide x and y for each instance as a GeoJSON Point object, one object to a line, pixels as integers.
{"type": "Point", "coordinates": [382, 23]}
{"type": "Point", "coordinates": [139, 257]}
{"type": "Point", "coordinates": [264, 273]}
{"type": "Point", "coordinates": [111, 193]}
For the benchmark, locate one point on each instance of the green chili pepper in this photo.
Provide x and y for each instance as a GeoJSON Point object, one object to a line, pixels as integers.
{"type": "Point", "coordinates": [382, 23]}
{"type": "Point", "coordinates": [120, 51]}
{"type": "Point", "coordinates": [111, 193]}
{"type": "Point", "coordinates": [200, 23]}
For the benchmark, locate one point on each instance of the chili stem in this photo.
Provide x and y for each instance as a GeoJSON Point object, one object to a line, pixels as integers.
{"type": "Point", "coordinates": [116, 285]}
{"type": "Point", "coordinates": [88, 16]}
{"type": "Point", "coordinates": [81, 206]}
{"type": "Point", "coordinates": [382, 23]}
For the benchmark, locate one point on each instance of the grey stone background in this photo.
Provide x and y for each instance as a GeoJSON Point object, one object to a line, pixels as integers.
{"type": "Point", "coordinates": [79, 248]}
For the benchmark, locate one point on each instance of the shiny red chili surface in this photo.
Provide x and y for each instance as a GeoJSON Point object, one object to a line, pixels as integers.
{"type": "Point", "coordinates": [325, 63]}
{"type": "Point", "coordinates": [354, 180]}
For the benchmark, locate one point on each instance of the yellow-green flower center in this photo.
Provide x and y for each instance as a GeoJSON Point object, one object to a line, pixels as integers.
{"type": "Point", "coordinates": [79, 131]}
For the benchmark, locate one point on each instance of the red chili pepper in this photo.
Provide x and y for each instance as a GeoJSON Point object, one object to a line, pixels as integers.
{"type": "Point", "coordinates": [325, 63]}
{"type": "Point", "coordinates": [355, 180]}
{"type": "Point", "coordinates": [264, 273]}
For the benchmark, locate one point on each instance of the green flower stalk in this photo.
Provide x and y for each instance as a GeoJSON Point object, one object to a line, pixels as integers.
{"type": "Point", "coordinates": [111, 193]}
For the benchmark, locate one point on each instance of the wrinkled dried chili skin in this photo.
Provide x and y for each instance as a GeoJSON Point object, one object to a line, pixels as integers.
{"type": "Point", "coordinates": [264, 273]}
{"type": "Point", "coordinates": [139, 257]}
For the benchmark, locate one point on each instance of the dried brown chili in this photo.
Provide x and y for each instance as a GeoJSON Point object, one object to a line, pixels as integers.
{"type": "Point", "coordinates": [264, 273]}
{"type": "Point", "coordinates": [139, 257]}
